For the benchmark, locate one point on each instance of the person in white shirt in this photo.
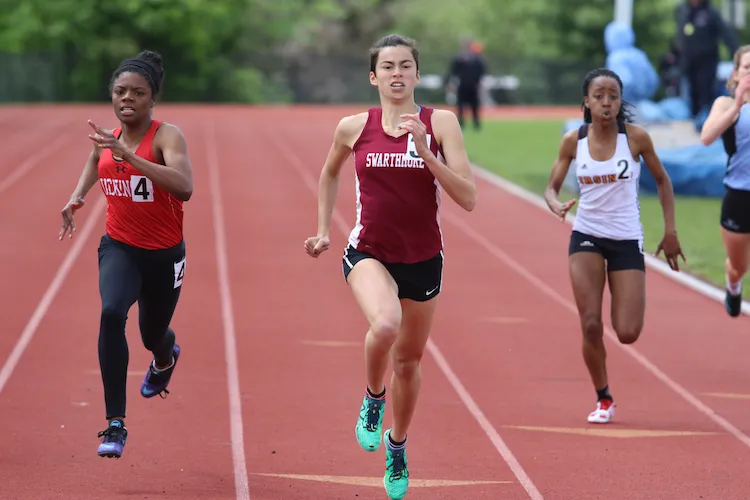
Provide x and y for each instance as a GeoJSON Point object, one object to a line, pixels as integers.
{"type": "Point", "coordinates": [607, 237]}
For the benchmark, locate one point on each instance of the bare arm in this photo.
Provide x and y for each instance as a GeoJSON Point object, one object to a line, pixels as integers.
{"type": "Point", "coordinates": [86, 181]}
{"type": "Point", "coordinates": [176, 176]}
{"type": "Point", "coordinates": [565, 155]}
{"type": "Point", "coordinates": [89, 176]}
{"type": "Point", "coordinates": [344, 137]}
{"type": "Point", "coordinates": [670, 244]}
{"type": "Point", "coordinates": [723, 114]}
{"type": "Point", "coordinates": [663, 183]}
{"type": "Point", "coordinates": [455, 177]}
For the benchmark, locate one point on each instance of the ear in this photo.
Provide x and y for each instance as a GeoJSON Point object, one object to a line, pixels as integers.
{"type": "Point", "coordinates": [586, 102]}
{"type": "Point", "coordinates": [418, 77]}
{"type": "Point", "coordinates": [373, 79]}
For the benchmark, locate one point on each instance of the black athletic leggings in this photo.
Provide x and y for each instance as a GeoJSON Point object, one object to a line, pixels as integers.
{"type": "Point", "coordinates": [153, 278]}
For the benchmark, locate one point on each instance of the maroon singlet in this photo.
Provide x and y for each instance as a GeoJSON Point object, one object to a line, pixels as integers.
{"type": "Point", "coordinates": [398, 198]}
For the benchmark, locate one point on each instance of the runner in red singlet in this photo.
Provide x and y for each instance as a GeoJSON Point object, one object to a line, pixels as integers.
{"type": "Point", "coordinates": [143, 169]}
{"type": "Point", "coordinates": [405, 157]}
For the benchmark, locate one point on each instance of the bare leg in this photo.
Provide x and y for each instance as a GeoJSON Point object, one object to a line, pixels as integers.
{"type": "Point", "coordinates": [736, 246]}
{"type": "Point", "coordinates": [628, 289]}
{"type": "Point", "coordinates": [377, 296]}
{"type": "Point", "coordinates": [587, 275]}
{"type": "Point", "coordinates": [407, 356]}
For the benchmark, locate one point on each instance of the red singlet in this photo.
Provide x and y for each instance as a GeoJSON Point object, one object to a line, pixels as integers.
{"type": "Point", "coordinates": [398, 198]}
{"type": "Point", "coordinates": [139, 213]}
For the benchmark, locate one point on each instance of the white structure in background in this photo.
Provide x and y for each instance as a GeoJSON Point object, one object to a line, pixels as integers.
{"type": "Point", "coordinates": [489, 83]}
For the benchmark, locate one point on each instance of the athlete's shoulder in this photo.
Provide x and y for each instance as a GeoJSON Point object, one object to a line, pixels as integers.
{"type": "Point", "coordinates": [571, 137]}
{"type": "Point", "coordinates": [166, 129]}
{"type": "Point", "coordinates": [637, 133]}
{"type": "Point", "coordinates": [169, 136]}
{"type": "Point", "coordinates": [350, 127]}
{"type": "Point", "coordinates": [639, 139]}
{"type": "Point", "coordinates": [723, 102]}
{"type": "Point", "coordinates": [444, 116]}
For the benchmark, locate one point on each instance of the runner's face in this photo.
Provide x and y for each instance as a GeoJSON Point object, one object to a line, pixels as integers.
{"type": "Point", "coordinates": [131, 97]}
{"type": "Point", "coordinates": [603, 99]}
{"type": "Point", "coordinates": [743, 69]}
{"type": "Point", "coordinates": [396, 73]}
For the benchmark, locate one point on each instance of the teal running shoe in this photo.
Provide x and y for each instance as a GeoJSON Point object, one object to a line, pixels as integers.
{"type": "Point", "coordinates": [396, 478]}
{"type": "Point", "coordinates": [370, 422]}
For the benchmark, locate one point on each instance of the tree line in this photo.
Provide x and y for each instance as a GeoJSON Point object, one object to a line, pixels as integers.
{"type": "Point", "coordinates": [250, 50]}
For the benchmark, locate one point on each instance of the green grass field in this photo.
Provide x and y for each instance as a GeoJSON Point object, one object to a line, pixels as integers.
{"type": "Point", "coordinates": [523, 152]}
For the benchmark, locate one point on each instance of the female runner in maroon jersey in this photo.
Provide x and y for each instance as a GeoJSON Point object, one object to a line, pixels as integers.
{"type": "Point", "coordinates": [394, 260]}
{"type": "Point", "coordinates": [144, 171]}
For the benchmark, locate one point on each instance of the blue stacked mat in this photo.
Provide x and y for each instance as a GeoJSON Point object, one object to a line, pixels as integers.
{"type": "Point", "coordinates": [694, 170]}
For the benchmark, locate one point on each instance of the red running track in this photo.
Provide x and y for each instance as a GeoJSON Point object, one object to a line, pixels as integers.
{"type": "Point", "coordinates": [272, 375]}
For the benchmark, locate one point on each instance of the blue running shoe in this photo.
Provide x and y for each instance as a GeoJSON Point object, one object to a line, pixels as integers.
{"type": "Point", "coordinates": [114, 438]}
{"type": "Point", "coordinates": [156, 382]}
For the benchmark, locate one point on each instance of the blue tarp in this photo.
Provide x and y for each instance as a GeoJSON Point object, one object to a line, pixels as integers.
{"type": "Point", "coordinates": [694, 170]}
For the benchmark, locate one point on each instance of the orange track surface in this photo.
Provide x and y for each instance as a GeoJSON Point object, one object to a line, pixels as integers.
{"type": "Point", "coordinates": [272, 373]}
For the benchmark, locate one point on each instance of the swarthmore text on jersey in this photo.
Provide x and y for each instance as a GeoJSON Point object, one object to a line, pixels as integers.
{"type": "Point", "coordinates": [402, 160]}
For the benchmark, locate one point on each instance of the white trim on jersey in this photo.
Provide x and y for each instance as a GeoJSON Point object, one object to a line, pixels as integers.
{"type": "Point", "coordinates": [608, 205]}
{"type": "Point", "coordinates": [354, 234]}
{"type": "Point", "coordinates": [439, 201]}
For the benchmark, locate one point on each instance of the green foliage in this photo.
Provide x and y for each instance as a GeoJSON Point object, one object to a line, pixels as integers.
{"type": "Point", "coordinates": [234, 50]}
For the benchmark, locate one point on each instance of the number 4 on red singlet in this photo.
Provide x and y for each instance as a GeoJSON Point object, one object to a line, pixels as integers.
{"type": "Point", "coordinates": [179, 272]}
{"type": "Point", "coordinates": [142, 189]}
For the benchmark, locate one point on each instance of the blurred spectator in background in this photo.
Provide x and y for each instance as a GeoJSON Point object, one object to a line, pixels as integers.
{"type": "Point", "coordinates": [669, 70]}
{"type": "Point", "coordinates": [468, 68]}
{"type": "Point", "coordinates": [700, 28]}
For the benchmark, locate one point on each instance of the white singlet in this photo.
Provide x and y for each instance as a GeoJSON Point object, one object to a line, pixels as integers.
{"type": "Point", "coordinates": [608, 204]}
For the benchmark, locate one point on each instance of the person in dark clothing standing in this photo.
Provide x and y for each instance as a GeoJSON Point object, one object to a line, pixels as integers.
{"type": "Point", "coordinates": [669, 70]}
{"type": "Point", "coordinates": [469, 68]}
{"type": "Point", "coordinates": [699, 30]}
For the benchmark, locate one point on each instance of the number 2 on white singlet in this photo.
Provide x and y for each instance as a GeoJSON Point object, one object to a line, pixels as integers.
{"type": "Point", "coordinates": [623, 170]}
{"type": "Point", "coordinates": [141, 188]}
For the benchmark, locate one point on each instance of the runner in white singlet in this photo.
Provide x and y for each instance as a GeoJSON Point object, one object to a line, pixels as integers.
{"type": "Point", "coordinates": [607, 238]}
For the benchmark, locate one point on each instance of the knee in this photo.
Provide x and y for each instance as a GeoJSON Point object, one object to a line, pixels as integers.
{"type": "Point", "coordinates": [593, 329]}
{"type": "Point", "coordinates": [385, 329]}
{"type": "Point", "coordinates": [627, 333]}
{"type": "Point", "coordinates": [406, 365]}
{"type": "Point", "coordinates": [113, 318]}
{"type": "Point", "coordinates": [738, 266]}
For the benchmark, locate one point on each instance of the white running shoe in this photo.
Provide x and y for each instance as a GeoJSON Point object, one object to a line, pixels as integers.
{"type": "Point", "coordinates": [605, 410]}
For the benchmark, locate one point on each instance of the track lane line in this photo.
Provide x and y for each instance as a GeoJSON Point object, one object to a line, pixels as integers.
{"type": "Point", "coordinates": [540, 285]}
{"type": "Point", "coordinates": [49, 295]}
{"type": "Point", "coordinates": [227, 313]}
